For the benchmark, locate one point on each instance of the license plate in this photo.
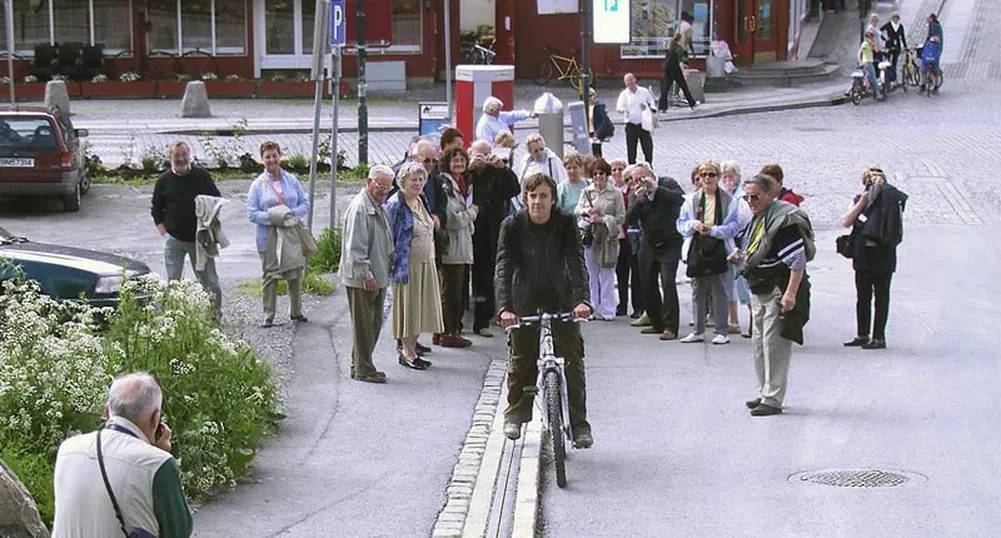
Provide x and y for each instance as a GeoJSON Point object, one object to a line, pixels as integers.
{"type": "Point", "coordinates": [15, 162]}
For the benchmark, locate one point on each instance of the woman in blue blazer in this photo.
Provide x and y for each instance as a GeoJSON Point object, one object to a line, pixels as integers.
{"type": "Point", "coordinates": [601, 127]}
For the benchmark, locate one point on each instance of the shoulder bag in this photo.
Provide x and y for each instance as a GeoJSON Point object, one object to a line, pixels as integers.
{"type": "Point", "coordinates": [706, 255]}
{"type": "Point", "coordinates": [587, 232]}
{"type": "Point", "coordinates": [137, 532]}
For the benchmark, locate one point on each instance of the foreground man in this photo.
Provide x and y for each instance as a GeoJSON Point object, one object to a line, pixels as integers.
{"type": "Point", "coordinates": [779, 244]}
{"type": "Point", "coordinates": [540, 268]}
{"type": "Point", "coordinates": [128, 460]}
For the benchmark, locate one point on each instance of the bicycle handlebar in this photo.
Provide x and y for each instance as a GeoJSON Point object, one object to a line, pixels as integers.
{"type": "Point", "coordinates": [531, 320]}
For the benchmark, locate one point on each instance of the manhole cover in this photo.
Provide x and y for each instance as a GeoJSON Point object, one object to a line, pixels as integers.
{"type": "Point", "coordinates": [857, 478]}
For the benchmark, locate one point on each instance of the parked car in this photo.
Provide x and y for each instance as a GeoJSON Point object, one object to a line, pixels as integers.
{"type": "Point", "coordinates": [69, 272]}
{"type": "Point", "coordinates": [41, 155]}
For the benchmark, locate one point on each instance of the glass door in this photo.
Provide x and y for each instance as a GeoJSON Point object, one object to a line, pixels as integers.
{"type": "Point", "coordinates": [287, 30]}
{"type": "Point", "coordinates": [743, 48]}
{"type": "Point", "coordinates": [765, 47]}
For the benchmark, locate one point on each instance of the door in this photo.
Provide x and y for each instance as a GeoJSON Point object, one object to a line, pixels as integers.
{"type": "Point", "coordinates": [757, 35]}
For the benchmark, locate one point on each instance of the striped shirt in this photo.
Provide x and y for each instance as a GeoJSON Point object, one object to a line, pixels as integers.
{"type": "Point", "coordinates": [788, 247]}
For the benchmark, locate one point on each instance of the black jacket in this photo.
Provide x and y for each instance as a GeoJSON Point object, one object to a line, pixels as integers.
{"type": "Point", "coordinates": [540, 266]}
{"type": "Point", "coordinates": [895, 40]}
{"type": "Point", "coordinates": [603, 126]}
{"type": "Point", "coordinates": [173, 202]}
{"type": "Point", "coordinates": [658, 217]}
{"type": "Point", "coordinates": [492, 189]}
{"type": "Point", "coordinates": [874, 241]}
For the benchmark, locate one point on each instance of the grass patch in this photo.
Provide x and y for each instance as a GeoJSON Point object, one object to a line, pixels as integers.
{"type": "Point", "coordinates": [141, 178]}
{"type": "Point", "coordinates": [313, 283]}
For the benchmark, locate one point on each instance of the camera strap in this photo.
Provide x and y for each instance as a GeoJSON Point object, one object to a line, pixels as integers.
{"type": "Point", "coordinates": [104, 475]}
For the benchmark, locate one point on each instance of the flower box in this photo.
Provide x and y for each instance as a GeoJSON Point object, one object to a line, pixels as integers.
{"type": "Point", "coordinates": [231, 88]}
{"type": "Point", "coordinates": [171, 88]}
{"type": "Point", "coordinates": [145, 89]}
{"type": "Point", "coordinates": [28, 91]}
{"type": "Point", "coordinates": [345, 89]}
{"type": "Point", "coordinates": [286, 88]}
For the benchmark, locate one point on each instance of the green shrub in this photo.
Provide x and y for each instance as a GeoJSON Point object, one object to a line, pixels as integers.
{"type": "Point", "coordinates": [317, 285]}
{"type": "Point", "coordinates": [328, 256]}
{"type": "Point", "coordinates": [298, 162]}
{"type": "Point", "coordinates": [57, 361]}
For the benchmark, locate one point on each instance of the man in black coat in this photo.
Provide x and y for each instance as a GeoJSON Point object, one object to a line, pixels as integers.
{"type": "Point", "coordinates": [654, 206]}
{"type": "Point", "coordinates": [540, 267]}
{"type": "Point", "coordinates": [493, 186]}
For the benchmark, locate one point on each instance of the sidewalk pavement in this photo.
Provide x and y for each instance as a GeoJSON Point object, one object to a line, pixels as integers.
{"type": "Point", "coordinates": [296, 115]}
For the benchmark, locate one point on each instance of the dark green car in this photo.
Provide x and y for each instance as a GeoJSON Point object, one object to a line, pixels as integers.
{"type": "Point", "coordinates": [68, 272]}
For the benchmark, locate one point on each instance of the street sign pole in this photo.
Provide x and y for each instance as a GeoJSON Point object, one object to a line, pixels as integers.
{"type": "Point", "coordinates": [319, 48]}
{"type": "Point", "coordinates": [448, 63]}
{"type": "Point", "coordinates": [9, 16]}
{"type": "Point", "coordinates": [338, 32]}
{"type": "Point", "coordinates": [585, 48]}
{"type": "Point", "coordinates": [362, 88]}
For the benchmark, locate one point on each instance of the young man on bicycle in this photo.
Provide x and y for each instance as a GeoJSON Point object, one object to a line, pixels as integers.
{"type": "Point", "coordinates": [540, 268]}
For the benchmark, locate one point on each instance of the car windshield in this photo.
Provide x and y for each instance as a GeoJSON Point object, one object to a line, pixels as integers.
{"type": "Point", "coordinates": [34, 134]}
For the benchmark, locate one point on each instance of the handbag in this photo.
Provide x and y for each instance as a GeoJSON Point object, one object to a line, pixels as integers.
{"type": "Point", "coordinates": [587, 232]}
{"type": "Point", "coordinates": [843, 244]}
{"type": "Point", "coordinates": [706, 255]}
{"type": "Point", "coordinates": [136, 532]}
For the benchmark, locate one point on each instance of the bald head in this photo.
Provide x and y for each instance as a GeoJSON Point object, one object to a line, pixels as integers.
{"type": "Point", "coordinates": [480, 146]}
{"type": "Point", "coordinates": [135, 397]}
{"type": "Point", "coordinates": [424, 153]}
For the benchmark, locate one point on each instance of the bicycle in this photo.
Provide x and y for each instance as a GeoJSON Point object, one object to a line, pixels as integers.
{"type": "Point", "coordinates": [552, 382]}
{"type": "Point", "coordinates": [911, 70]}
{"type": "Point", "coordinates": [930, 55]}
{"type": "Point", "coordinates": [479, 50]}
{"type": "Point", "coordinates": [566, 66]}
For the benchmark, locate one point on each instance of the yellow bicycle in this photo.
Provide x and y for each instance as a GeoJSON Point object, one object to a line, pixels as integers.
{"type": "Point", "coordinates": [566, 66]}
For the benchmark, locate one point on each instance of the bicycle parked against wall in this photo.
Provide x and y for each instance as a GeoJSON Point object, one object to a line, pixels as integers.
{"type": "Point", "coordinates": [566, 67]}
{"type": "Point", "coordinates": [478, 49]}
{"type": "Point", "coordinates": [551, 383]}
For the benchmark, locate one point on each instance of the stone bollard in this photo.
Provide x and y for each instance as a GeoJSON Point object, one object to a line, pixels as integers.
{"type": "Point", "coordinates": [196, 101]}
{"type": "Point", "coordinates": [18, 514]}
{"type": "Point", "coordinates": [57, 96]}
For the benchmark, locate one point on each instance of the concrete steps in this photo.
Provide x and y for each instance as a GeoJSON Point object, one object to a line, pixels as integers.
{"type": "Point", "coordinates": [786, 74]}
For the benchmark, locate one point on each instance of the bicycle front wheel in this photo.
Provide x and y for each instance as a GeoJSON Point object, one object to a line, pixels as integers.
{"type": "Point", "coordinates": [554, 408]}
{"type": "Point", "coordinates": [544, 73]}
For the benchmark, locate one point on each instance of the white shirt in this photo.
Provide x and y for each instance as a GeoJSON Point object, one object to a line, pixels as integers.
{"type": "Point", "coordinates": [631, 103]}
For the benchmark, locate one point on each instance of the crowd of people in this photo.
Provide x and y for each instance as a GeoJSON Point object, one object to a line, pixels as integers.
{"type": "Point", "coordinates": [888, 41]}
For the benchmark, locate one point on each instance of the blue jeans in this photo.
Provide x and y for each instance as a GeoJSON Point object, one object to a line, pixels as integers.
{"type": "Point", "coordinates": [870, 73]}
{"type": "Point", "coordinates": [174, 251]}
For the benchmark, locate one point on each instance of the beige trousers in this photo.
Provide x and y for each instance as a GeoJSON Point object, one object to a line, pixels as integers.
{"type": "Point", "coordinates": [270, 292]}
{"type": "Point", "coordinates": [771, 352]}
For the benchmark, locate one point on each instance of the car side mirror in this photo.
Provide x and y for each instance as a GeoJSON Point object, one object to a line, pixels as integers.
{"type": "Point", "coordinates": [80, 133]}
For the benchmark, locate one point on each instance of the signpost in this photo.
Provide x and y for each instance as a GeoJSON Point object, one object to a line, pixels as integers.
{"type": "Point", "coordinates": [611, 21]}
{"type": "Point", "coordinates": [338, 38]}
{"type": "Point", "coordinates": [319, 48]}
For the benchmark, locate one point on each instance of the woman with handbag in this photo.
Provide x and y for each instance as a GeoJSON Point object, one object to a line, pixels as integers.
{"type": "Point", "coordinates": [876, 223]}
{"type": "Point", "coordinates": [710, 218]}
{"type": "Point", "coordinates": [461, 214]}
{"type": "Point", "coordinates": [601, 212]}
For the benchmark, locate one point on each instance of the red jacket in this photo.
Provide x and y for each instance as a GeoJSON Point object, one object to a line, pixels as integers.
{"type": "Point", "coordinates": [787, 195]}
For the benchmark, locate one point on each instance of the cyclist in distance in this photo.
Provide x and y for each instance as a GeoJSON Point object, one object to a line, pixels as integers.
{"type": "Point", "coordinates": [540, 268]}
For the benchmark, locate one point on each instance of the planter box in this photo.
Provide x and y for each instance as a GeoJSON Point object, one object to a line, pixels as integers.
{"type": "Point", "coordinates": [231, 88]}
{"type": "Point", "coordinates": [171, 88]}
{"type": "Point", "coordinates": [286, 88]}
{"type": "Point", "coordinates": [33, 91]}
{"type": "Point", "coordinates": [345, 89]}
{"type": "Point", "coordinates": [145, 89]}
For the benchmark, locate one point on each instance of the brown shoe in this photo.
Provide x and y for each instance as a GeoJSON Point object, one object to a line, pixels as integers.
{"type": "Point", "coordinates": [436, 339]}
{"type": "Point", "coordinates": [454, 340]}
{"type": "Point", "coordinates": [650, 330]}
{"type": "Point", "coordinates": [375, 377]}
{"type": "Point", "coordinates": [669, 335]}
{"type": "Point", "coordinates": [485, 333]}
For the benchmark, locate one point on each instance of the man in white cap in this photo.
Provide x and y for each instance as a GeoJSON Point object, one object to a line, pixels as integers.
{"type": "Point", "coordinates": [494, 120]}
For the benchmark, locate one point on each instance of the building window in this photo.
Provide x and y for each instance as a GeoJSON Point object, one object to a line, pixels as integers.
{"type": "Point", "coordinates": [407, 23]}
{"type": "Point", "coordinates": [279, 21]}
{"type": "Point", "coordinates": [71, 21]}
{"type": "Point", "coordinates": [90, 22]}
{"type": "Point", "coordinates": [205, 25]}
{"type": "Point", "coordinates": [31, 26]}
{"type": "Point", "coordinates": [308, 18]}
{"type": "Point", "coordinates": [112, 25]}
{"type": "Point", "coordinates": [654, 23]}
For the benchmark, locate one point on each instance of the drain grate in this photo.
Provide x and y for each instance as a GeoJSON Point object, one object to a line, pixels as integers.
{"type": "Point", "coordinates": [855, 478]}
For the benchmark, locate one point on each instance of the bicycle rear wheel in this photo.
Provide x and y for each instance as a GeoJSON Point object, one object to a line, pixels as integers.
{"type": "Point", "coordinates": [554, 408]}
{"type": "Point", "coordinates": [544, 74]}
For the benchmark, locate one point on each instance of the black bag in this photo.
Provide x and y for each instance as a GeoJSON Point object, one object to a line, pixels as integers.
{"type": "Point", "coordinates": [707, 255]}
{"type": "Point", "coordinates": [843, 244]}
{"type": "Point", "coordinates": [587, 232]}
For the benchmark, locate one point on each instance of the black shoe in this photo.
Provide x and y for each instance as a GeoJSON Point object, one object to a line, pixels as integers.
{"type": "Point", "coordinates": [635, 315]}
{"type": "Point", "coordinates": [764, 410]}
{"type": "Point", "coordinates": [620, 311]}
{"type": "Point", "coordinates": [751, 404]}
{"type": "Point", "coordinates": [267, 323]}
{"type": "Point", "coordinates": [874, 344]}
{"type": "Point", "coordinates": [412, 365]}
{"type": "Point", "coordinates": [582, 439]}
{"type": "Point", "coordinates": [421, 348]}
{"type": "Point", "coordinates": [399, 345]}
{"type": "Point", "coordinates": [858, 341]}
{"type": "Point", "coordinates": [423, 362]}
{"type": "Point", "coordinates": [300, 318]}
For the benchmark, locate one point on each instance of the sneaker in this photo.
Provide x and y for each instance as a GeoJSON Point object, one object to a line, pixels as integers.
{"type": "Point", "coordinates": [693, 338]}
{"type": "Point", "coordinates": [512, 430]}
{"type": "Point", "coordinates": [721, 339]}
{"type": "Point", "coordinates": [643, 321]}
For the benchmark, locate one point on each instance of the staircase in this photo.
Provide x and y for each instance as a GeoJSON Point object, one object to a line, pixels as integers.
{"type": "Point", "coordinates": [785, 74]}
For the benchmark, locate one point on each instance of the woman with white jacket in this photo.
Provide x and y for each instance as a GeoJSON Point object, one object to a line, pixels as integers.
{"type": "Point", "coordinates": [739, 291]}
{"type": "Point", "coordinates": [457, 258]}
{"type": "Point", "coordinates": [601, 212]}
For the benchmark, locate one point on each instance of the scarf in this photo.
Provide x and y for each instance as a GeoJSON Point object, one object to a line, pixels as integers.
{"type": "Point", "coordinates": [766, 226]}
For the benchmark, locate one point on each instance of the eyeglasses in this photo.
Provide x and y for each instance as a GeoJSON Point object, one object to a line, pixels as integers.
{"type": "Point", "coordinates": [751, 197]}
{"type": "Point", "coordinates": [708, 174]}
{"type": "Point", "coordinates": [380, 186]}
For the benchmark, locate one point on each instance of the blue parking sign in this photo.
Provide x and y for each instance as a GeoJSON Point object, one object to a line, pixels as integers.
{"type": "Point", "coordinates": [338, 24]}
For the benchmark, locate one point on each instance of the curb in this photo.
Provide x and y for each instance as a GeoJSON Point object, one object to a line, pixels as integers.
{"type": "Point", "coordinates": [526, 507]}
{"type": "Point", "coordinates": [830, 100]}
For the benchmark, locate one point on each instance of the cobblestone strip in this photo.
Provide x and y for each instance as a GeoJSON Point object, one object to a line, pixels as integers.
{"type": "Point", "coordinates": [467, 474]}
{"type": "Point", "coordinates": [526, 507]}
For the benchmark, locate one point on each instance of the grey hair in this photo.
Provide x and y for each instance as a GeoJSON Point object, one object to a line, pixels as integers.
{"type": "Point", "coordinates": [380, 170]}
{"type": "Point", "coordinates": [730, 167]}
{"type": "Point", "coordinates": [643, 165]}
{"type": "Point", "coordinates": [176, 144]}
{"type": "Point", "coordinates": [492, 102]}
{"type": "Point", "coordinates": [534, 137]}
{"type": "Point", "coordinates": [628, 171]}
{"type": "Point", "coordinates": [766, 182]}
{"type": "Point", "coordinates": [617, 161]}
{"type": "Point", "coordinates": [134, 397]}
{"type": "Point", "coordinates": [416, 148]}
{"type": "Point", "coordinates": [408, 170]}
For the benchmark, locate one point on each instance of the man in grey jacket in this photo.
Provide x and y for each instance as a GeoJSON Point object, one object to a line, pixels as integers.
{"type": "Point", "coordinates": [367, 244]}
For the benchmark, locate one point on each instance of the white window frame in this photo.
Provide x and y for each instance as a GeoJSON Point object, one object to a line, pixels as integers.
{"type": "Point", "coordinates": [215, 49]}
{"type": "Point", "coordinates": [677, 9]}
{"type": "Point", "coordinates": [91, 31]}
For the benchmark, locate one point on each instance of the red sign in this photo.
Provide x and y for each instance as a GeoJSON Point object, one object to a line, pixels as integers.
{"type": "Point", "coordinates": [378, 22]}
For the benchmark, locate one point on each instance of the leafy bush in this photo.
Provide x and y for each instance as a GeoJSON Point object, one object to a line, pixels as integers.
{"type": "Point", "coordinates": [298, 162]}
{"type": "Point", "coordinates": [56, 364]}
{"type": "Point", "coordinates": [328, 256]}
{"type": "Point", "coordinates": [317, 285]}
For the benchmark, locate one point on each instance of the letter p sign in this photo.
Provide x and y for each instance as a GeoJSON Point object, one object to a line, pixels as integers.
{"type": "Point", "coordinates": [338, 28]}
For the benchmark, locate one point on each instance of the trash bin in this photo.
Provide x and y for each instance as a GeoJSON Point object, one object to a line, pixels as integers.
{"type": "Point", "coordinates": [550, 111]}
{"type": "Point", "coordinates": [578, 128]}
